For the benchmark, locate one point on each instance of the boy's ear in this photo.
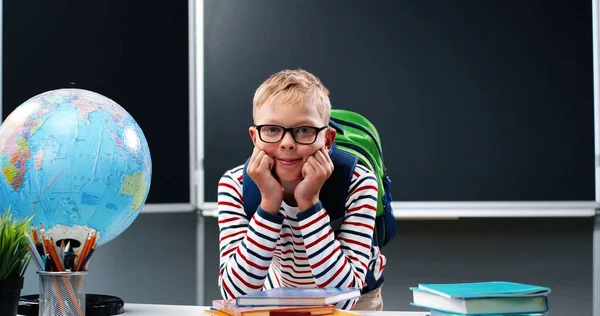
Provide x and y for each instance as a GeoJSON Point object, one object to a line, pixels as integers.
{"type": "Point", "coordinates": [330, 137]}
{"type": "Point", "coordinates": [253, 134]}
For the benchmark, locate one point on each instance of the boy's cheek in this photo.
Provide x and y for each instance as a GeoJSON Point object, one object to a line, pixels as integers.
{"type": "Point", "coordinates": [267, 148]}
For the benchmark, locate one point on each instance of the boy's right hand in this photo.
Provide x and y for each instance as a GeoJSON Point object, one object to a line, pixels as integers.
{"type": "Point", "coordinates": [260, 171]}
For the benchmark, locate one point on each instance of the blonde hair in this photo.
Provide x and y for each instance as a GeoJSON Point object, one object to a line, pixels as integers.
{"type": "Point", "coordinates": [293, 87]}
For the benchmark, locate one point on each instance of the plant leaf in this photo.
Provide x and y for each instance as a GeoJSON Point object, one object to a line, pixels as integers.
{"type": "Point", "coordinates": [14, 249]}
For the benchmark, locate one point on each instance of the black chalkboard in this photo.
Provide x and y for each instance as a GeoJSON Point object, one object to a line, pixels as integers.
{"type": "Point", "coordinates": [474, 100]}
{"type": "Point", "coordinates": [134, 52]}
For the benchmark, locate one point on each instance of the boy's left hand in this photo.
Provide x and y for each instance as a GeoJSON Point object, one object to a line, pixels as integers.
{"type": "Point", "coordinates": [315, 172]}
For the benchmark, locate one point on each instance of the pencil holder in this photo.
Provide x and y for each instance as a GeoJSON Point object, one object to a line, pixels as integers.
{"type": "Point", "coordinates": [62, 293]}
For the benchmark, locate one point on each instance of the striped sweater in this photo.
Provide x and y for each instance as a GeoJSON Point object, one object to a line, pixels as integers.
{"type": "Point", "coordinates": [296, 249]}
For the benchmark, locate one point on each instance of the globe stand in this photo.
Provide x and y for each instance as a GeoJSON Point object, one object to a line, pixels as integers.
{"type": "Point", "coordinates": [95, 305]}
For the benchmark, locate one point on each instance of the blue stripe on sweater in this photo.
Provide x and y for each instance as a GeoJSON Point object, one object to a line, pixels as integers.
{"type": "Point", "coordinates": [325, 271]}
{"type": "Point", "coordinates": [231, 196]}
{"type": "Point", "coordinates": [229, 243]}
{"type": "Point", "coordinates": [228, 177]}
{"type": "Point", "coordinates": [289, 243]}
{"type": "Point", "coordinates": [344, 279]}
{"type": "Point", "coordinates": [234, 284]}
{"type": "Point", "coordinates": [254, 276]}
{"type": "Point", "coordinates": [361, 216]}
{"type": "Point", "coordinates": [255, 254]}
{"type": "Point", "coordinates": [363, 197]}
{"type": "Point", "coordinates": [346, 304]}
{"type": "Point", "coordinates": [291, 231]}
{"type": "Point", "coordinates": [317, 230]}
{"type": "Point", "coordinates": [261, 235]}
{"type": "Point", "coordinates": [294, 261]}
{"type": "Point", "coordinates": [236, 170]}
{"type": "Point", "coordinates": [232, 227]}
{"type": "Point", "coordinates": [318, 252]}
{"type": "Point", "coordinates": [358, 183]}
{"type": "Point", "coordinates": [363, 169]}
{"type": "Point", "coordinates": [360, 253]}
{"type": "Point", "coordinates": [353, 232]}
{"type": "Point", "coordinates": [295, 277]}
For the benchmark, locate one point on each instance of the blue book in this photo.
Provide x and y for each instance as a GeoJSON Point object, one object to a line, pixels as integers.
{"type": "Point", "coordinates": [484, 289]}
{"type": "Point", "coordinates": [438, 313]}
{"type": "Point", "coordinates": [482, 298]}
{"type": "Point", "coordinates": [287, 296]}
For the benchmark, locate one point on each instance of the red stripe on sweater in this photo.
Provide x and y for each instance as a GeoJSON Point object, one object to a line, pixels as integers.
{"type": "Point", "coordinates": [232, 235]}
{"type": "Point", "coordinates": [367, 206]}
{"type": "Point", "coordinates": [252, 286]}
{"type": "Point", "coordinates": [335, 274]}
{"type": "Point", "coordinates": [355, 242]}
{"type": "Point", "coordinates": [292, 268]}
{"type": "Point", "coordinates": [316, 265]}
{"type": "Point", "coordinates": [229, 204]}
{"type": "Point", "coordinates": [221, 184]}
{"type": "Point", "coordinates": [250, 263]}
{"type": "Point", "coordinates": [277, 279]}
{"type": "Point", "coordinates": [226, 253]}
{"type": "Point", "coordinates": [227, 220]}
{"type": "Point", "coordinates": [227, 290]}
{"type": "Point", "coordinates": [319, 240]}
{"type": "Point", "coordinates": [291, 251]}
{"type": "Point", "coordinates": [259, 245]}
{"type": "Point", "coordinates": [370, 227]}
{"type": "Point", "coordinates": [355, 259]}
{"type": "Point", "coordinates": [297, 282]}
{"type": "Point", "coordinates": [323, 214]}
{"type": "Point", "coordinates": [372, 187]}
{"type": "Point", "coordinates": [299, 243]}
{"type": "Point", "coordinates": [275, 230]}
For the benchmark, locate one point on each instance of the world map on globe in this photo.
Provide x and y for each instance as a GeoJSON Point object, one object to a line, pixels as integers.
{"type": "Point", "coordinates": [75, 160]}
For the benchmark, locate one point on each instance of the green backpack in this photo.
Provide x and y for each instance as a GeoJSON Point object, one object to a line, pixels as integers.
{"type": "Point", "coordinates": [358, 136]}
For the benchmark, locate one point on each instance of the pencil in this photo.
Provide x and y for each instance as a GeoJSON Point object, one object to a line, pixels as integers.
{"type": "Point", "coordinates": [52, 252]}
{"type": "Point", "coordinates": [36, 256]}
{"type": "Point", "coordinates": [86, 249]}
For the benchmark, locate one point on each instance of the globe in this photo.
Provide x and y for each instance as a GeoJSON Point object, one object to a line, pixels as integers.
{"type": "Point", "coordinates": [74, 160]}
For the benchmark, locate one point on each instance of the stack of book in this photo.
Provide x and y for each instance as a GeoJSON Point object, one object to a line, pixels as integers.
{"type": "Point", "coordinates": [286, 302]}
{"type": "Point", "coordinates": [482, 298]}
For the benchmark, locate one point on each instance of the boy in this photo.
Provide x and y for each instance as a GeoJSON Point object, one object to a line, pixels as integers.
{"type": "Point", "coordinates": [289, 241]}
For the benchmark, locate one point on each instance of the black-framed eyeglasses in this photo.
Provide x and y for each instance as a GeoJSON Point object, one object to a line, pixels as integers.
{"type": "Point", "coordinates": [304, 135]}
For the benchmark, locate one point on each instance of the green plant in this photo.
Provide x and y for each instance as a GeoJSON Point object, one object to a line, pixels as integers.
{"type": "Point", "coordinates": [14, 249]}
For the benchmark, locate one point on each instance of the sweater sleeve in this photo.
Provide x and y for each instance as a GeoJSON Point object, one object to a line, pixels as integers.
{"type": "Point", "coordinates": [342, 262]}
{"type": "Point", "coordinates": [245, 247]}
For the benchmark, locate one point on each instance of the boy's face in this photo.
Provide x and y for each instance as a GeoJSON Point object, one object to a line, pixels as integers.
{"type": "Point", "coordinates": [289, 155]}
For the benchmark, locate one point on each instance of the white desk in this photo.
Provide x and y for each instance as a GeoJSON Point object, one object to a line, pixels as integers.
{"type": "Point", "coordinates": [181, 310]}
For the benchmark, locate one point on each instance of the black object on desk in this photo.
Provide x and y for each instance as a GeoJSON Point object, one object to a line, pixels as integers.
{"type": "Point", "coordinates": [95, 305]}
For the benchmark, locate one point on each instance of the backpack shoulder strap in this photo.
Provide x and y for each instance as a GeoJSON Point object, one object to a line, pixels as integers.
{"type": "Point", "coordinates": [250, 193]}
{"type": "Point", "coordinates": [335, 190]}
{"type": "Point", "coordinates": [333, 193]}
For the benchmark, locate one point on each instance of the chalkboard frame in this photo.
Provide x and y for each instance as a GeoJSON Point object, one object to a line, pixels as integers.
{"type": "Point", "coordinates": [188, 206]}
{"type": "Point", "coordinates": [453, 210]}
{"type": "Point", "coordinates": [402, 210]}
